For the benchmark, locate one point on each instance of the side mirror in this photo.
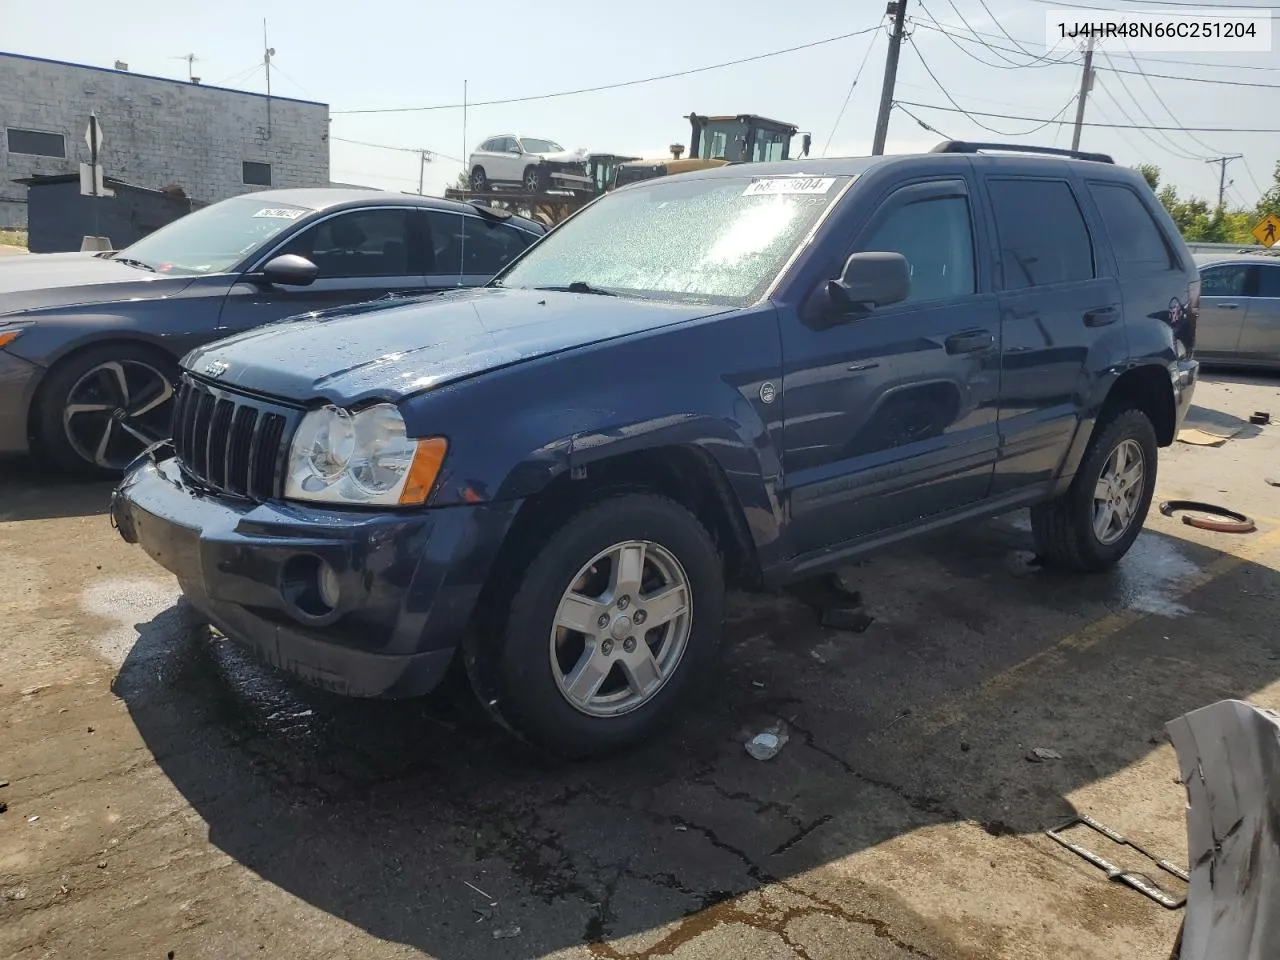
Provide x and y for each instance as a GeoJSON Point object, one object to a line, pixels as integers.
{"type": "Point", "coordinates": [872, 280]}
{"type": "Point", "coordinates": [290, 270]}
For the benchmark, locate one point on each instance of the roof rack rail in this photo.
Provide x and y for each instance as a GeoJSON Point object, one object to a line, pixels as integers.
{"type": "Point", "coordinates": [965, 146]}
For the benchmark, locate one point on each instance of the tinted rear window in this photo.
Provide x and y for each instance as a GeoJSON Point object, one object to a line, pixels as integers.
{"type": "Point", "coordinates": [1042, 234]}
{"type": "Point", "coordinates": [1138, 242]}
{"type": "Point", "coordinates": [1268, 281]}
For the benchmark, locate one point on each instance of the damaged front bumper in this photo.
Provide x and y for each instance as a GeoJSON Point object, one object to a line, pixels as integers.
{"type": "Point", "coordinates": [1229, 760]}
{"type": "Point", "coordinates": [405, 581]}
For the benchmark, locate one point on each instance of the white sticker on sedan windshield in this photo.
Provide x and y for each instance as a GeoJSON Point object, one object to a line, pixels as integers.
{"type": "Point", "coordinates": [280, 213]}
{"type": "Point", "coordinates": [778, 185]}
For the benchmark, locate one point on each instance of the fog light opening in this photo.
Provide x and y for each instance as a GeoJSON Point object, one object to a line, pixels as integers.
{"type": "Point", "coordinates": [310, 586]}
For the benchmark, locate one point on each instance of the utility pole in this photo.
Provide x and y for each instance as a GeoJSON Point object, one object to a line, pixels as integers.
{"type": "Point", "coordinates": [424, 157]}
{"type": "Point", "coordinates": [1222, 176]}
{"type": "Point", "coordinates": [267, 53]}
{"type": "Point", "coordinates": [1086, 84]}
{"type": "Point", "coordinates": [898, 10]}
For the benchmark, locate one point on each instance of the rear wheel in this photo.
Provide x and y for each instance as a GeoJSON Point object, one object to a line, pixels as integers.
{"type": "Point", "coordinates": [611, 627]}
{"type": "Point", "coordinates": [1094, 523]}
{"type": "Point", "coordinates": [101, 408]}
{"type": "Point", "coordinates": [479, 180]}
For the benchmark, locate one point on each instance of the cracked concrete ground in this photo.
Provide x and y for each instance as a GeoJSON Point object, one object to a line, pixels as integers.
{"type": "Point", "coordinates": [167, 796]}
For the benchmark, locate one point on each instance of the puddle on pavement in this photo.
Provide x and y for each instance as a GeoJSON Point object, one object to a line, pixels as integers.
{"type": "Point", "coordinates": [265, 699]}
{"type": "Point", "coordinates": [1149, 577]}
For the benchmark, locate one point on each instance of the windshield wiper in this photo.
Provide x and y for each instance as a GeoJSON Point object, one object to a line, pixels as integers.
{"type": "Point", "coordinates": [580, 286]}
{"type": "Point", "coordinates": [134, 263]}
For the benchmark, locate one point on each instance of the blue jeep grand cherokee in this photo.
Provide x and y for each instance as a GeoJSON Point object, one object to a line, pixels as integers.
{"type": "Point", "coordinates": [747, 375]}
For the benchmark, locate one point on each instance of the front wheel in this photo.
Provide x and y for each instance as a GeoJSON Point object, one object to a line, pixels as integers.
{"type": "Point", "coordinates": [535, 180]}
{"type": "Point", "coordinates": [1093, 524]}
{"type": "Point", "coordinates": [100, 408]}
{"type": "Point", "coordinates": [479, 180]}
{"type": "Point", "coordinates": [610, 628]}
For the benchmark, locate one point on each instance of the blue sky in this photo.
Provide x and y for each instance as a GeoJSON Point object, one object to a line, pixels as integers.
{"type": "Point", "coordinates": [397, 53]}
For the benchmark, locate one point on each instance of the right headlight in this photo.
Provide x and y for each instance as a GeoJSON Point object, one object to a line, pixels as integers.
{"type": "Point", "coordinates": [361, 459]}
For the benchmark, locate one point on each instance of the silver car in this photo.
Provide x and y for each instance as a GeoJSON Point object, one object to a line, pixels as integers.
{"type": "Point", "coordinates": [530, 163]}
{"type": "Point", "coordinates": [1239, 310]}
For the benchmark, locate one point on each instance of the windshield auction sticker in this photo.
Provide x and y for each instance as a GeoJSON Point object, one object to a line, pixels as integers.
{"type": "Point", "coordinates": [280, 213]}
{"type": "Point", "coordinates": [781, 185]}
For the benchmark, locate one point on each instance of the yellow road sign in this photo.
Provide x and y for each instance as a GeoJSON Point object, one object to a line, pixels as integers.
{"type": "Point", "coordinates": [1267, 232]}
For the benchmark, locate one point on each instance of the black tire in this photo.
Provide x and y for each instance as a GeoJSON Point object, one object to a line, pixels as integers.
{"type": "Point", "coordinates": [510, 666]}
{"type": "Point", "coordinates": [55, 441]}
{"type": "Point", "coordinates": [1063, 527]}
{"type": "Point", "coordinates": [479, 180]}
{"type": "Point", "coordinates": [535, 179]}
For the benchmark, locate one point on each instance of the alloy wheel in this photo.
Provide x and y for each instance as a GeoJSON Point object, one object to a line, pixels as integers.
{"type": "Point", "coordinates": [1118, 493]}
{"type": "Point", "coordinates": [621, 628]}
{"type": "Point", "coordinates": [116, 410]}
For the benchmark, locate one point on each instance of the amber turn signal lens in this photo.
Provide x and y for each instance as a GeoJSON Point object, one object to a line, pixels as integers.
{"type": "Point", "coordinates": [427, 460]}
{"type": "Point", "coordinates": [8, 336]}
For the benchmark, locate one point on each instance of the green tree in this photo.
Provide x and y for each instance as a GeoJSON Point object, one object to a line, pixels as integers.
{"type": "Point", "coordinates": [1270, 202]}
{"type": "Point", "coordinates": [1197, 221]}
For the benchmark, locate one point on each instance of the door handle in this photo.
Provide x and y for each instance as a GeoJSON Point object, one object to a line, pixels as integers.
{"type": "Point", "coordinates": [1229, 306]}
{"type": "Point", "coordinates": [971, 341]}
{"type": "Point", "coordinates": [865, 365]}
{"type": "Point", "coordinates": [1101, 316]}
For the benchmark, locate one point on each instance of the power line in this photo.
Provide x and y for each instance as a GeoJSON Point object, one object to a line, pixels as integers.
{"type": "Point", "coordinates": [942, 28]}
{"type": "Point", "coordinates": [1173, 147]}
{"type": "Point", "coordinates": [1113, 126]}
{"type": "Point", "coordinates": [977, 39]}
{"type": "Point", "coordinates": [1036, 61]}
{"type": "Point", "coordinates": [1201, 8]}
{"type": "Point", "coordinates": [1155, 93]}
{"type": "Point", "coordinates": [972, 119]}
{"type": "Point", "coordinates": [1134, 125]}
{"type": "Point", "coordinates": [620, 84]}
{"type": "Point", "coordinates": [897, 104]}
{"type": "Point", "coordinates": [387, 146]}
{"type": "Point", "coordinates": [1000, 27]}
{"type": "Point", "coordinates": [856, 77]}
{"type": "Point", "coordinates": [1137, 151]}
{"type": "Point", "coordinates": [1191, 3]}
{"type": "Point", "coordinates": [1252, 178]}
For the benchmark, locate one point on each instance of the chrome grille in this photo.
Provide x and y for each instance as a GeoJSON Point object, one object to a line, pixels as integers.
{"type": "Point", "coordinates": [231, 442]}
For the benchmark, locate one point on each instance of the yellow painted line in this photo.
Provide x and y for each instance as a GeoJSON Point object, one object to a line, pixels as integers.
{"type": "Point", "coordinates": [952, 712]}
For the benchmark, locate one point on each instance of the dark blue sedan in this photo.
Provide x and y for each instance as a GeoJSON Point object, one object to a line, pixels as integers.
{"type": "Point", "coordinates": [89, 343]}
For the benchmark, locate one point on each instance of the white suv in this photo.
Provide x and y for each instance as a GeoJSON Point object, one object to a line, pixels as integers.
{"type": "Point", "coordinates": [526, 162]}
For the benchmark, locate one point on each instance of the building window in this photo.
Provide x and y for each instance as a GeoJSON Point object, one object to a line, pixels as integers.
{"type": "Point", "coordinates": [36, 144]}
{"type": "Point", "coordinates": [258, 174]}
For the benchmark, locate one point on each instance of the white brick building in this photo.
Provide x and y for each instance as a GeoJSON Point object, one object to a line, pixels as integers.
{"type": "Point", "coordinates": [210, 141]}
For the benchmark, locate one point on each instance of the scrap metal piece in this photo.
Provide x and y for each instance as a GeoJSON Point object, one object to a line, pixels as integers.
{"type": "Point", "coordinates": [1229, 761]}
{"type": "Point", "coordinates": [1130, 878]}
{"type": "Point", "coordinates": [1260, 417]}
{"type": "Point", "coordinates": [1234, 522]}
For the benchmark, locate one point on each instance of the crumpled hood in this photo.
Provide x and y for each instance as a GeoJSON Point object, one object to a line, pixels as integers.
{"type": "Point", "coordinates": [388, 351]}
{"type": "Point", "coordinates": [42, 280]}
{"type": "Point", "coordinates": [564, 156]}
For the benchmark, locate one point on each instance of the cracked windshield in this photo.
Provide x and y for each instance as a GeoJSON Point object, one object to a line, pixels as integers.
{"type": "Point", "coordinates": [716, 240]}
